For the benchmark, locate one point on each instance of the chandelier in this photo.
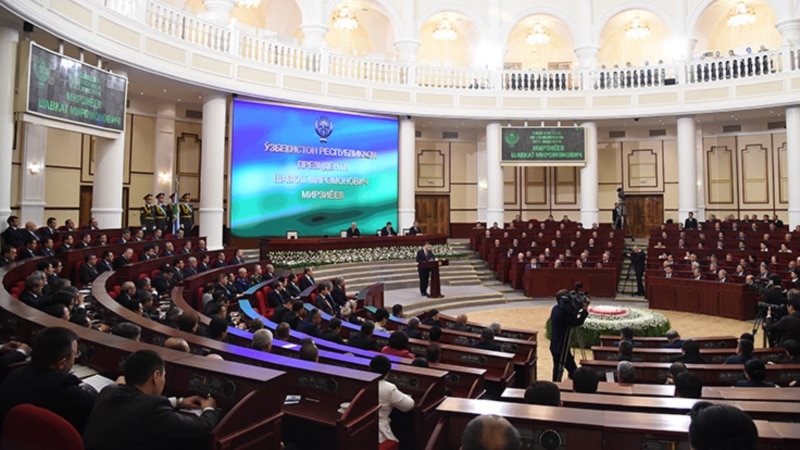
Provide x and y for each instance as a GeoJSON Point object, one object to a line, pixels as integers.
{"type": "Point", "coordinates": [637, 29]}
{"type": "Point", "coordinates": [445, 31]}
{"type": "Point", "coordinates": [344, 18]}
{"type": "Point", "coordinates": [538, 35]}
{"type": "Point", "coordinates": [741, 15]}
{"type": "Point", "coordinates": [248, 3]}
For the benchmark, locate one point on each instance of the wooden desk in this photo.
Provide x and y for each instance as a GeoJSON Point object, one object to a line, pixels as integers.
{"type": "Point", "coordinates": [130, 272]}
{"type": "Point", "coordinates": [580, 429]}
{"type": "Point", "coordinates": [760, 410]}
{"type": "Point", "coordinates": [545, 282]}
{"type": "Point", "coordinates": [336, 243]}
{"type": "Point", "coordinates": [475, 327]}
{"type": "Point", "coordinates": [705, 297]}
{"type": "Point", "coordinates": [709, 392]}
{"type": "Point", "coordinates": [711, 355]}
{"type": "Point", "coordinates": [659, 342]}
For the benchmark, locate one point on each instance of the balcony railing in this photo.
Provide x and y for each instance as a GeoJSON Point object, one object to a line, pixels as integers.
{"type": "Point", "coordinates": [240, 42]}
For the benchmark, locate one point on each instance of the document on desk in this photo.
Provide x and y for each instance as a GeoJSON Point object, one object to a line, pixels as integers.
{"type": "Point", "coordinates": [82, 371]}
{"type": "Point", "coordinates": [98, 382]}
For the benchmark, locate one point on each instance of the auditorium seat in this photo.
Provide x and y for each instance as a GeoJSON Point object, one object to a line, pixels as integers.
{"type": "Point", "coordinates": [261, 303]}
{"type": "Point", "coordinates": [29, 427]}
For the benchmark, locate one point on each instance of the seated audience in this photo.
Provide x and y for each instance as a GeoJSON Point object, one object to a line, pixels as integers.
{"type": "Point", "coordinates": [332, 333]}
{"type": "Point", "coordinates": [543, 393]}
{"type": "Point", "coordinates": [432, 318]}
{"type": "Point", "coordinates": [461, 323]}
{"type": "Point", "coordinates": [584, 380]}
{"type": "Point", "coordinates": [310, 325]}
{"type": "Point", "coordinates": [490, 432]}
{"type": "Point", "coordinates": [47, 382]}
{"type": "Point", "coordinates": [381, 319]}
{"type": "Point", "coordinates": [625, 351]}
{"type": "Point", "coordinates": [487, 341]}
{"type": "Point", "coordinates": [389, 398]}
{"type": "Point", "coordinates": [308, 351]}
{"type": "Point", "coordinates": [626, 372]}
{"type": "Point", "coordinates": [218, 329]}
{"type": "Point", "coordinates": [127, 330]}
{"type": "Point", "coordinates": [744, 353]}
{"type": "Point", "coordinates": [433, 353]}
{"type": "Point", "coordinates": [791, 350]}
{"type": "Point", "coordinates": [412, 329]}
{"type": "Point", "coordinates": [176, 343]}
{"type": "Point", "coordinates": [688, 385]}
{"type": "Point", "coordinates": [398, 345]}
{"type": "Point", "coordinates": [136, 415]}
{"type": "Point", "coordinates": [283, 331]}
{"type": "Point", "coordinates": [690, 353]}
{"type": "Point", "coordinates": [363, 340]}
{"type": "Point", "coordinates": [718, 427]}
{"type": "Point", "coordinates": [675, 369]}
{"type": "Point", "coordinates": [262, 340]}
{"type": "Point", "coordinates": [755, 374]}
{"type": "Point", "coordinates": [673, 339]}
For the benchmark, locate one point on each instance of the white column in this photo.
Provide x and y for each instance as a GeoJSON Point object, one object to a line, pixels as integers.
{"type": "Point", "coordinates": [212, 170]}
{"type": "Point", "coordinates": [701, 185]}
{"type": "Point", "coordinates": [9, 38]}
{"type": "Point", "coordinates": [687, 162]}
{"type": "Point", "coordinates": [590, 209]}
{"type": "Point", "coordinates": [32, 173]}
{"type": "Point", "coordinates": [313, 35]}
{"type": "Point", "coordinates": [793, 161]}
{"type": "Point", "coordinates": [219, 11]}
{"type": "Point", "coordinates": [165, 148]}
{"type": "Point", "coordinates": [790, 37]}
{"type": "Point", "coordinates": [482, 195]}
{"type": "Point", "coordinates": [494, 175]}
{"type": "Point", "coordinates": [406, 202]}
{"type": "Point", "coordinates": [107, 187]}
{"type": "Point", "coordinates": [407, 53]}
{"type": "Point", "coordinates": [587, 58]}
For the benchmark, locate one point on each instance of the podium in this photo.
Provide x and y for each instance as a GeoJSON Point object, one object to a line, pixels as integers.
{"type": "Point", "coordinates": [435, 284]}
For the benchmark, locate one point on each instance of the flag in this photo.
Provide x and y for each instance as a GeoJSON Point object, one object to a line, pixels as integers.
{"type": "Point", "coordinates": [176, 218]}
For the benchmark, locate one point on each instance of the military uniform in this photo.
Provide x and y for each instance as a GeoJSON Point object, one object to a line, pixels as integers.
{"type": "Point", "coordinates": [147, 215]}
{"type": "Point", "coordinates": [186, 214]}
{"type": "Point", "coordinates": [162, 215]}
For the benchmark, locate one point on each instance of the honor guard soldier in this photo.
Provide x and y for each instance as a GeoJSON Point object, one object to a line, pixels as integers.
{"type": "Point", "coordinates": [148, 216]}
{"type": "Point", "coordinates": [186, 213]}
{"type": "Point", "coordinates": [162, 214]}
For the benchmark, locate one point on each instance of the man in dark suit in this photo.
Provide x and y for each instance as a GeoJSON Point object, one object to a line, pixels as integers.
{"type": "Point", "coordinates": [294, 316]}
{"type": "Point", "coordinates": [162, 282]}
{"type": "Point", "coordinates": [85, 242]}
{"type": "Point", "coordinates": [88, 271]}
{"type": "Point", "coordinates": [332, 332]}
{"type": "Point", "coordinates": [47, 248]}
{"type": "Point", "coordinates": [424, 255]}
{"type": "Point", "coordinates": [338, 294]}
{"type": "Point", "coordinates": [220, 261]}
{"type": "Point", "coordinates": [353, 231]}
{"type": "Point", "coordinates": [363, 340]}
{"type": "Point", "coordinates": [8, 256]}
{"type": "Point", "coordinates": [388, 230]}
{"type": "Point", "coordinates": [487, 341]}
{"type": "Point", "coordinates": [125, 238]}
{"type": "Point", "coordinates": [307, 280]}
{"type": "Point", "coordinates": [238, 258]}
{"type": "Point", "coordinates": [461, 323]}
{"type": "Point", "coordinates": [178, 270]}
{"type": "Point", "coordinates": [276, 296]}
{"type": "Point", "coordinates": [32, 295]}
{"type": "Point", "coordinates": [310, 325]}
{"type": "Point", "coordinates": [415, 229]}
{"type": "Point", "coordinates": [325, 301]}
{"type": "Point", "coordinates": [29, 251]}
{"type": "Point", "coordinates": [49, 230]}
{"type": "Point", "coordinates": [13, 235]}
{"type": "Point", "coordinates": [191, 267]}
{"type": "Point", "coordinates": [673, 340]}
{"type": "Point", "coordinates": [638, 260]}
{"type": "Point", "coordinates": [691, 222]}
{"type": "Point", "coordinates": [46, 381]}
{"type": "Point", "coordinates": [186, 214]}
{"type": "Point", "coordinates": [124, 259]}
{"type": "Point", "coordinates": [158, 424]}
{"type": "Point", "coordinates": [66, 244]}
{"type": "Point", "coordinates": [30, 232]}
{"type": "Point", "coordinates": [106, 263]}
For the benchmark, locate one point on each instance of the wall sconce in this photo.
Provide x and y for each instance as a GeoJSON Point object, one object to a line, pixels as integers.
{"type": "Point", "coordinates": [165, 177]}
{"type": "Point", "coordinates": [34, 168]}
{"type": "Point", "coordinates": [483, 185]}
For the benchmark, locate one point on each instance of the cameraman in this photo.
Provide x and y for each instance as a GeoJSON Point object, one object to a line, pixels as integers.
{"type": "Point", "coordinates": [773, 292]}
{"type": "Point", "coordinates": [569, 311]}
{"type": "Point", "coordinates": [638, 260]}
{"type": "Point", "coordinates": [788, 326]}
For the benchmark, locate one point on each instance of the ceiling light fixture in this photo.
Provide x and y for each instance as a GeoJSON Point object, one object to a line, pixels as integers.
{"type": "Point", "coordinates": [345, 18]}
{"type": "Point", "coordinates": [445, 31]}
{"type": "Point", "coordinates": [741, 15]}
{"type": "Point", "coordinates": [538, 35]}
{"type": "Point", "coordinates": [638, 29]}
{"type": "Point", "coordinates": [248, 3]}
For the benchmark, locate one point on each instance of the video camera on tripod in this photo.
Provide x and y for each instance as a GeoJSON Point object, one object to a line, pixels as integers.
{"type": "Point", "coordinates": [575, 300]}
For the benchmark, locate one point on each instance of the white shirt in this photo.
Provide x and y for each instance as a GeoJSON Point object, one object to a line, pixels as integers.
{"type": "Point", "coordinates": [390, 397]}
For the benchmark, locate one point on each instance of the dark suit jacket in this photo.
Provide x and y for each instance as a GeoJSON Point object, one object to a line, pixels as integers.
{"type": "Point", "coordinates": [32, 299]}
{"type": "Point", "coordinates": [339, 296]}
{"type": "Point", "coordinates": [422, 257]}
{"type": "Point", "coordinates": [492, 346]}
{"type": "Point", "coordinates": [161, 284]}
{"type": "Point", "coordinates": [387, 232]}
{"type": "Point", "coordinates": [44, 251]}
{"type": "Point", "coordinates": [353, 233]}
{"type": "Point", "coordinates": [104, 266]}
{"type": "Point", "coordinates": [308, 327]}
{"type": "Point", "coordinates": [358, 340]}
{"type": "Point", "coordinates": [305, 282]}
{"type": "Point", "coordinates": [26, 253]}
{"type": "Point", "coordinates": [50, 389]}
{"type": "Point", "coordinates": [331, 335]}
{"type": "Point", "coordinates": [128, 419]}
{"type": "Point", "coordinates": [414, 334]}
{"type": "Point", "coordinates": [326, 304]}
{"type": "Point", "coordinates": [121, 261]}
{"type": "Point", "coordinates": [293, 289]}
{"type": "Point", "coordinates": [275, 299]}
{"type": "Point", "coordinates": [413, 231]}
{"type": "Point", "coordinates": [88, 273]}
{"type": "Point", "coordinates": [13, 237]}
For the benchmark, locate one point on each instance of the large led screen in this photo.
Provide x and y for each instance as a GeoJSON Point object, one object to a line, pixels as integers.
{"type": "Point", "coordinates": [310, 171]}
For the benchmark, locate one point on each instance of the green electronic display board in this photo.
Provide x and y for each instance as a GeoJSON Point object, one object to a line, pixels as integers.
{"type": "Point", "coordinates": [69, 90]}
{"type": "Point", "coordinates": [543, 146]}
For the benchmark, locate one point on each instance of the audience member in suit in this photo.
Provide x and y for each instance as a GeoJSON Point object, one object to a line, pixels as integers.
{"type": "Point", "coordinates": [201, 246]}
{"type": "Point", "coordinates": [191, 267]}
{"type": "Point", "coordinates": [415, 229]}
{"type": "Point", "coordinates": [49, 230]}
{"type": "Point", "coordinates": [242, 282]}
{"type": "Point", "coordinates": [47, 248]}
{"type": "Point", "coordinates": [398, 345]}
{"type": "Point", "coordinates": [388, 230]}
{"type": "Point", "coordinates": [755, 374]}
{"type": "Point", "coordinates": [69, 226]}
{"type": "Point", "coordinates": [163, 281]}
{"type": "Point", "coordinates": [690, 353]}
{"type": "Point", "coordinates": [338, 294]}
{"type": "Point", "coordinates": [721, 427]}
{"type": "Point", "coordinates": [158, 424]}
{"type": "Point", "coordinates": [32, 295]}
{"type": "Point", "coordinates": [310, 325]}
{"type": "Point", "coordinates": [29, 251]}
{"type": "Point", "coordinates": [127, 294]}
{"type": "Point", "coordinates": [791, 352]}
{"type": "Point", "coordinates": [324, 301]}
{"type": "Point", "coordinates": [353, 231]}
{"type": "Point", "coordinates": [461, 323]}
{"type": "Point", "coordinates": [744, 353]}
{"type": "Point", "coordinates": [291, 286]}
{"type": "Point", "coordinates": [412, 329]}
{"type": "Point", "coordinates": [487, 341]}
{"type": "Point", "coordinates": [276, 297]}
{"type": "Point", "coordinates": [9, 255]}
{"type": "Point", "coordinates": [46, 381]}
{"type": "Point", "coordinates": [178, 270]}
{"type": "Point", "coordinates": [203, 265]}
{"type": "Point", "coordinates": [88, 271]}
{"type": "Point", "coordinates": [169, 249]}
{"type": "Point", "coordinates": [238, 258]}
{"type": "Point", "coordinates": [220, 261]}
{"type": "Point", "coordinates": [85, 242]}
{"type": "Point", "coordinates": [124, 259]}
{"type": "Point", "coordinates": [294, 316]}
{"type": "Point", "coordinates": [691, 222]}
{"type": "Point", "coordinates": [363, 340]}
{"type": "Point", "coordinates": [13, 352]}
{"type": "Point", "coordinates": [13, 235]}
{"type": "Point", "coordinates": [432, 318]}
{"type": "Point", "coordinates": [424, 255]}
{"type": "Point", "coordinates": [221, 287]}
{"type": "Point", "coordinates": [307, 280]}
{"type": "Point", "coordinates": [66, 244]}
{"type": "Point", "coordinates": [125, 238]}
{"type": "Point", "coordinates": [332, 333]}
{"type": "Point", "coordinates": [673, 340]}
{"type": "Point", "coordinates": [29, 232]}
{"type": "Point", "coordinates": [102, 240]}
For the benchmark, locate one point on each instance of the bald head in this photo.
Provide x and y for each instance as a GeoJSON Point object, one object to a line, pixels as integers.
{"type": "Point", "coordinates": [177, 343]}
{"type": "Point", "coordinates": [490, 432]}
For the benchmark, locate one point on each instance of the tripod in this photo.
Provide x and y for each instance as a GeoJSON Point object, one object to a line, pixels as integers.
{"type": "Point", "coordinates": [562, 360]}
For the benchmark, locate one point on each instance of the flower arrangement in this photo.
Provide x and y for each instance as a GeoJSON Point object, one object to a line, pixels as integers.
{"type": "Point", "coordinates": [294, 259]}
{"type": "Point", "coordinates": [608, 320]}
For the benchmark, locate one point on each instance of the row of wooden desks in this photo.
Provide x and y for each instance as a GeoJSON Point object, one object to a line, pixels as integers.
{"type": "Point", "coordinates": [583, 429]}
{"type": "Point", "coordinates": [268, 245]}
{"type": "Point", "coordinates": [710, 355]}
{"type": "Point", "coordinates": [732, 300]}
{"type": "Point", "coordinates": [707, 342]}
{"type": "Point", "coordinates": [709, 392]}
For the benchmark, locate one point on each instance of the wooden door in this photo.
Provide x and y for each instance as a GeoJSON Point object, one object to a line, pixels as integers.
{"type": "Point", "coordinates": [85, 211]}
{"type": "Point", "coordinates": [644, 212]}
{"type": "Point", "coordinates": [433, 213]}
